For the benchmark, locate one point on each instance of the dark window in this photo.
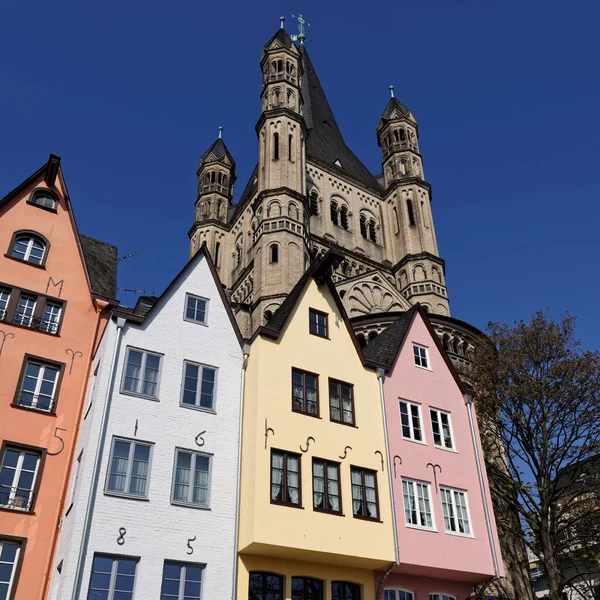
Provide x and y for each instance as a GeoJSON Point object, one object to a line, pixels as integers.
{"type": "Point", "coordinates": [341, 402]}
{"type": "Point", "coordinates": [343, 590]}
{"type": "Point", "coordinates": [10, 560]}
{"type": "Point", "coordinates": [43, 199]}
{"type": "Point", "coordinates": [363, 226]}
{"type": "Point", "coordinates": [195, 309]}
{"type": "Point", "coordinates": [198, 385]}
{"type": "Point", "coordinates": [31, 310]}
{"type": "Point", "coordinates": [372, 231]}
{"type": "Point", "coordinates": [364, 493]}
{"type": "Point", "coordinates": [29, 248]}
{"type": "Point", "coordinates": [275, 146]}
{"type": "Point", "coordinates": [40, 381]}
{"type": "Point", "coordinates": [285, 478]}
{"type": "Point", "coordinates": [305, 393]}
{"type": "Point", "coordinates": [181, 581]}
{"type": "Point", "coordinates": [318, 322]}
{"type": "Point", "coordinates": [314, 204]}
{"type": "Point", "coordinates": [306, 588]}
{"type": "Point", "coordinates": [411, 214]}
{"type": "Point", "coordinates": [410, 416]}
{"type": "Point", "coordinates": [113, 578]}
{"type": "Point", "coordinates": [4, 298]}
{"type": "Point", "coordinates": [396, 219]}
{"type": "Point", "coordinates": [290, 145]}
{"type": "Point", "coordinates": [274, 253]}
{"type": "Point", "coordinates": [326, 486]}
{"type": "Point", "coordinates": [191, 480]}
{"type": "Point", "coordinates": [217, 249]}
{"type": "Point", "coordinates": [19, 474]}
{"type": "Point", "coordinates": [142, 371]}
{"type": "Point", "coordinates": [265, 586]}
{"type": "Point", "coordinates": [129, 467]}
{"type": "Point", "coordinates": [344, 217]}
{"type": "Point", "coordinates": [334, 213]}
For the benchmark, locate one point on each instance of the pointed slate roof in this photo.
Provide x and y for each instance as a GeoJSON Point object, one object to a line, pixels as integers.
{"type": "Point", "coordinates": [325, 141]}
{"type": "Point", "coordinates": [394, 104]}
{"type": "Point", "coordinates": [281, 36]}
{"type": "Point", "coordinates": [219, 151]}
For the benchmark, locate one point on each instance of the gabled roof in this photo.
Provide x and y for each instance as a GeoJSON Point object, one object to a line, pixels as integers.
{"type": "Point", "coordinates": [384, 349]}
{"type": "Point", "coordinates": [325, 141]}
{"type": "Point", "coordinates": [219, 151]}
{"type": "Point", "coordinates": [281, 36]}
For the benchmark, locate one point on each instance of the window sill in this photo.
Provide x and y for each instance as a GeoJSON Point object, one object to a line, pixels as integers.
{"type": "Point", "coordinates": [46, 208]}
{"type": "Point", "coordinates": [306, 414]}
{"type": "Point", "coordinates": [419, 528]}
{"type": "Point", "coordinates": [17, 510]}
{"type": "Point", "coordinates": [323, 337]}
{"type": "Point", "coordinates": [342, 423]}
{"type": "Point", "coordinates": [203, 323]}
{"type": "Point", "coordinates": [468, 536]}
{"type": "Point", "coordinates": [127, 496]}
{"type": "Point", "coordinates": [49, 413]}
{"type": "Point", "coordinates": [452, 450]}
{"type": "Point", "coordinates": [424, 368]}
{"type": "Point", "coordinates": [210, 411]}
{"type": "Point", "coordinates": [190, 505]}
{"type": "Point", "coordinates": [143, 396]}
{"type": "Point", "coordinates": [369, 519]}
{"type": "Point", "coordinates": [421, 443]}
{"type": "Point", "coordinates": [286, 504]}
{"type": "Point", "coordinates": [324, 511]}
{"type": "Point", "coordinates": [26, 262]}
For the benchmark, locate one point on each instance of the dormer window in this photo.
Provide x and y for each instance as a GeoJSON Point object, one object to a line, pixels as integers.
{"type": "Point", "coordinates": [29, 247]}
{"type": "Point", "coordinates": [43, 199]}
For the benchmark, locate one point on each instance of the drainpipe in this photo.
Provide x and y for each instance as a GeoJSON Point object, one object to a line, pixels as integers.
{"type": "Point", "coordinates": [380, 376]}
{"type": "Point", "coordinates": [246, 351]}
{"type": "Point", "coordinates": [486, 508]}
{"type": "Point", "coordinates": [87, 523]}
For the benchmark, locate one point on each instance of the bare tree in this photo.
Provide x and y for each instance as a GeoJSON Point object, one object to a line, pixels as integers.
{"type": "Point", "coordinates": [538, 394]}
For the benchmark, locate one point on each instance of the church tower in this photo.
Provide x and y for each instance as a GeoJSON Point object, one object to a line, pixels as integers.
{"type": "Point", "coordinates": [216, 176]}
{"type": "Point", "coordinates": [418, 269]}
{"type": "Point", "coordinates": [280, 216]}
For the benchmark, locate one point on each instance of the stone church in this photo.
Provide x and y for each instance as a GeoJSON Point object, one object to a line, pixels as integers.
{"type": "Point", "coordinates": [308, 193]}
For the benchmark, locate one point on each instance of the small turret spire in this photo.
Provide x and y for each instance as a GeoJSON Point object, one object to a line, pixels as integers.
{"type": "Point", "coordinates": [281, 22]}
{"type": "Point", "coordinates": [301, 36]}
{"type": "Point", "coordinates": [392, 91]}
{"type": "Point", "coordinates": [220, 132]}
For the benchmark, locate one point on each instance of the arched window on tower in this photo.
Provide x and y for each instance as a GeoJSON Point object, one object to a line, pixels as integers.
{"type": "Point", "coordinates": [275, 146]}
{"type": "Point", "coordinates": [290, 98]}
{"type": "Point", "coordinates": [372, 231]}
{"type": "Point", "coordinates": [267, 315]}
{"type": "Point", "coordinates": [403, 169]}
{"type": "Point", "coordinates": [396, 219]}
{"type": "Point", "coordinates": [344, 217]}
{"type": "Point", "coordinates": [411, 214]}
{"type": "Point", "coordinates": [363, 226]}
{"type": "Point", "coordinates": [219, 207]}
{"type": "Point", "coordinates": [396, 136]}
{"type": "Point", "coordinates": [276, 97]}
{"type": "Point", "coordinates": [402, 135]}
{"type": "Point", "coordinates": [277, 70]}
{"type": "Point", "coordinates": [217, 250]}
{"type": "Point", "coordinates": [289, 71]}
{"type": "Point", "coordinates": [274, 253]}
{"type": "Point", "coordinates": [290, 146]}
{"type": "Point", "coordinates": [212, 177]}
{"type": "Point", "coordinates": [314, 203]}
{"type": "Point", "coordinates": [334, 212]}
{"type": "Point", "coordinates": [207, 208]}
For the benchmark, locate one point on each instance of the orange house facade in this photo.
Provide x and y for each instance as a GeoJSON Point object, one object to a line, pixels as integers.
{"type": "Point", "coordinates": [57, 288]}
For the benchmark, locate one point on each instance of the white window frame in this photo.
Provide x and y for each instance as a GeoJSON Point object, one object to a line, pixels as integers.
{"type": "Point", "coordinates": [441, 596]}
{"type": "Point", "coordinates": [439, 413]}
{"type": "Point", "coordinates": [191, 503]}
{"type": "Point", "coordinates": [419, 347]}
{"type": "Point", "coordinates": [455, 517]}
{"type": "Point", "coordinates": [41, 193]}
{"type": "Point", "coordinates": [30, 241]}
{"type": "Point", "coordinates": [396, 592]}
{"type": "Point", "coordinates": [51, 324]}
{"type": "Point", "coordinates": [414, 483]}
{"type": "Point", "coordinates": [409, 405]}
{"type": "Point", "coordinates": [22, 317]}
{"type": "Point", "coordinates": [4, 300]}
{"type": "Point", "coordinates": [133, 444]}
{"type": "Point", "coordinates": [139, 386]}
{"type": "Point", "coordinates": [38, 385]}
{"type": "Point", "coordinates": [195, 297]}
{"type": "Point", "coordinates": [201, 368]}
{"type": "Point", "coordinates": [17, 475]}
{"type": "Point", "coordinates": [15, 564]}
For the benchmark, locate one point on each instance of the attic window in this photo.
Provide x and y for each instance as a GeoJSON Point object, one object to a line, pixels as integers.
{"type": "Point", "coordinates": [43, 199]}
{"type": "Point", "coordinates": [337, 163]}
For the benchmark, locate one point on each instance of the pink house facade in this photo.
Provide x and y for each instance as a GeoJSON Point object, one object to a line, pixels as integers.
{"type": "Point", "coordinates": [445, 528]}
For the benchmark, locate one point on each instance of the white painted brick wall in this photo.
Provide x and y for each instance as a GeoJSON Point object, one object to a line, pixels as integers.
{"type": "Point", "coordinates": [156, 529]}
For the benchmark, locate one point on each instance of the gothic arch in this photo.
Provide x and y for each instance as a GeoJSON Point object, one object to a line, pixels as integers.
{"type": "Point", "coordinates": [274, 209]}
{"type": "Point", "coordinates": [436, 275]}
{"type": "Point", "coordinates": [419, 273]}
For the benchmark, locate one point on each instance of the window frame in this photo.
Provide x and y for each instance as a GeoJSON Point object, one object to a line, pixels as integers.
{"type": "Point", "coordinates": [340, 383]}
{"type": "Point", "coordinates": [50, 322]}
{"type": "Point", "coordinates": [8, 292]}
{"type": "Point", "coordinates": [264, 590]}
{"type": "Point", "coordinates": [206, 303]}
{"type": "Point", "coordinates": [284, 484]}
{"type": "Point", "coordinates": [306, 580]}
{"type": "Point", "coordinates": [113, 574]}
{"type": "Point", "coordinates": [127, 392]}
{"type": "Point", "coordinates": [396, 591]}
{"type": "Point", "coordinates": [17, 565]}
{"type": "Point", "coordinates": [34, 235]}
{"type": "Point", "coordinates": [38, 191]}
{"type": "Point", "coordinates": [318, 313]}
{"type": "Point", "coordinates": [416, 346]}
{"type": "Point", "coordinates": [365, 517]}
{"type": "Point", "coordinates": [410, 404]}
{"type": "Point", "coordinates": [326, 463]}
{"type": "Point", "coordinates": [343, 590]}
{"type": "Point", "coordinates": [442, 446]}
{"type": "Point", "coordinates": [45, 362]}
{"type": "Point", "coordinates": [453, 491]}
{"type": "Point", "coordinates": [189, 503]}
{"type": "Point", "coordinates": [197, 406]}
{"type": "Point", "coordinates": [414, 483]}
{"type": "Point", "coordinates": [304, 400]}
{"type": "Point", "coordinates": [133, 443]}
{"type": "Point", "coordinates": [38, 472]}
{"type": "Point", "coordinates": [184, 564]}
{"type": "Point", "coordinates": [440, 596]}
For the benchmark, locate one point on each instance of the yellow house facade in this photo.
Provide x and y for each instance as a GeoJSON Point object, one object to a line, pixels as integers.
{"type": "Point", "coordinates": [315, 506]}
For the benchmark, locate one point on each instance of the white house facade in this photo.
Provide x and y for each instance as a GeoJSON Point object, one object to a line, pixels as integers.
{"type": "Point", "coordinates": [152, 508]}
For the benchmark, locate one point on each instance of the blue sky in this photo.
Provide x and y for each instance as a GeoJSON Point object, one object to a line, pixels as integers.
{"type": "Point", "coordinates": [130, 94]}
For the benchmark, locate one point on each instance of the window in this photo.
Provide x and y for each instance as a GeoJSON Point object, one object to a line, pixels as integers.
{"type": "Point", "coordinates": [275, 146]}
{"type": "Point", "coordinates": [314, 203]}
{"type": "Point", "coordinates": [326, 486]}
{"type": "Point", "coordinates": [341, 402]}
{"type": "Point", "coordinates": [398, 595]}
{"type": "Point", "coordinates": [43, 199]}
{"type": "Point", "coordinates": [441, 597]}
{"type": "Point", "coordinates": [411, 213]}
{"type": "Point", "coordinates": [364, 493]}
{"type": "Point", "coordinates": [396, 222]}
{"type": "Point", "coordinates": [191, 482]}
{"type": "Point", "coordinates": [274, 253]}
{"type": "Point", "coordinates": [285, 478]}
{"type": "Point", "coordinates": [25, 309]}
{"type": "Point", "coordinates": [112, 578]}
{"type": "Point", "coordinates": [421, 356]}
{"type": "Point", "coordinates": [318, 322]}
{"type": "Point", "coordinates": [4, 298]}
{"type": "Point", "coordinates": [372, 231]}
{"type": "Point", "coordinates": [290, 146]}
{"type": "Point", "coordinates": [129, 467]}
{"type": "Point", "coordinates": [410, 417]}
{"type": "Point", "coordinates": [195, 309]}
{"type": "Point", "coordinates": [217, 249]}
{"type": "Point", "coordinates": [265, 586]}
{"type": "Point", "coordinates": [51, 317]}
{"type": "Point", "coordinates": [199, 386]}
{"type": "Point", "coordinates": [344, 590]}
{"type": "Point", "coordinates": [417, 504]}
{"type": "Point", "coordinates": [306, 588]}
{"type": "Point", "coordinates": [10, 551]}
{"type": "Point", "coordinates": [181, 581]}
{"type": "Point", "coordinates": [39, 385]}
{"type": "Point", "coordinates": [29, 247]}
{"type": "Point", "coordinates": [344, 217]}
{"type": "Point", "coordinates": [363, 226]}
{"type": "Point", "coordinates": [334, 212]}
{"type": "Point", "coordinates": [141, 373]}
{"type": "Point", "coordinates": [305, 394]}
{"type": "Point", "coordinates": [442, 432]}
{"type": "Point", "coordinates": [18, 478]}
{"type": "Point", "coordinates": [454, 508]}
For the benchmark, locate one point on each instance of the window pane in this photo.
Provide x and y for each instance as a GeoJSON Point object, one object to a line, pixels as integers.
{"type": "Point", "coordinates": [182, 476]}
{"type": "Point", "coordinates": [150, 386]}
{"type": "Point", "coordinates": [208, 387]}
{"type": "Point", "coordinates": [133, 370]}
{"type": "Point", "coordinates": [190, 384]}
{"type": "Point", "coordinates": [118, 468]}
